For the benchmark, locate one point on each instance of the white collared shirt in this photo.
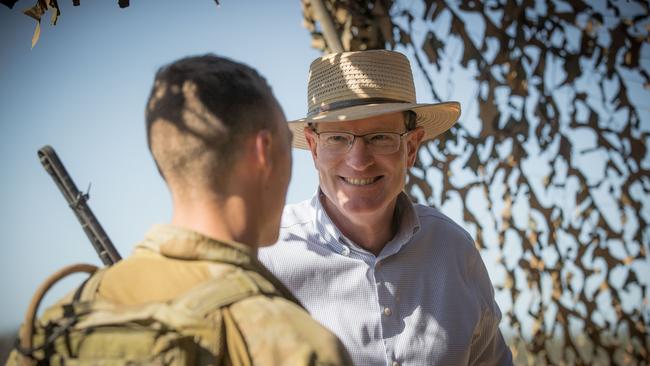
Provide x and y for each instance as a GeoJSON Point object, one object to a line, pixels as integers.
{"type": "Point", "coordinates": [426, 299]}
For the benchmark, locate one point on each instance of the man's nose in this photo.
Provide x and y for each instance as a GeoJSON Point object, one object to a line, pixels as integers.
{"type": "Point", "coordinates": [359, 157]}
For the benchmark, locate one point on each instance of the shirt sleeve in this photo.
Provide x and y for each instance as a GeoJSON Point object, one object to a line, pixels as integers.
{"type": "Point", "coordinates": [488, 346]}
{"type": "Point", "coordinates": [279, 332]}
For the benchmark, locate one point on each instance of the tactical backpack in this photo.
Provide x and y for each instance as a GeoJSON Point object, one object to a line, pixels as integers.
{"type": "Point", "coordinates": [195, 328]}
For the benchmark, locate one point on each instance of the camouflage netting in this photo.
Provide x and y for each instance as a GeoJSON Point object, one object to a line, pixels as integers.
{"type": "Point", "coordinates": [548, 166]}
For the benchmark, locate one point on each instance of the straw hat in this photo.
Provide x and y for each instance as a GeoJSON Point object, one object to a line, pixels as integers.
{"type": "Point", "coordinates": [354, 85]}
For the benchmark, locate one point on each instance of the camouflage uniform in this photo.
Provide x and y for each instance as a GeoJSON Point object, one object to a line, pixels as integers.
{"type": "Point", "coordinates": [268, 330]}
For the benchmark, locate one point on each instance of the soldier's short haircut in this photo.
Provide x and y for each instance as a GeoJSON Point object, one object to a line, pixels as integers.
{"type": "Point", "coordinates": [199, 110]}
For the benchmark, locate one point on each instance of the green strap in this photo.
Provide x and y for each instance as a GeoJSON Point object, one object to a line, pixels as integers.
{"type": "Point", "coordinates": [219, 292]}
{"type": "Point", "coordinates": [88, 290]}
{"type": "Point", "coordinates": [190, 308]}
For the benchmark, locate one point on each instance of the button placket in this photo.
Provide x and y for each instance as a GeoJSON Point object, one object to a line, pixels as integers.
{"type": "Point", "coordinates": [345, 251]}
{"type": "Point", "coordinates": [388, 311]}
{"type": "Point", "coordinates": [385, 297]}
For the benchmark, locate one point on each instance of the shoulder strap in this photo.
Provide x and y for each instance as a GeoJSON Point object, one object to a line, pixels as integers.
{"type": "Point", "coordinates": [27, 330]}
{"type": "Point", "coordinates": [192, 307]}
{"type": "Point", "coordinates": [87, 291]}
{"type": "Point", "coordinates": [223, 291]}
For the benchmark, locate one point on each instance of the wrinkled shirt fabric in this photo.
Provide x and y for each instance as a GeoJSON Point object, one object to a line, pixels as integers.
{"type": "Point", "coordinates": [426, 299]}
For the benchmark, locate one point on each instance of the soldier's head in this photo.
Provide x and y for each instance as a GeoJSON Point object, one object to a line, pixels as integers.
{"type": "Point", "coordinates": [207, 117]}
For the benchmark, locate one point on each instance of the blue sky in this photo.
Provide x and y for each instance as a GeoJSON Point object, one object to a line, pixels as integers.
{"type": "Point", "coordinates": [82, 89]}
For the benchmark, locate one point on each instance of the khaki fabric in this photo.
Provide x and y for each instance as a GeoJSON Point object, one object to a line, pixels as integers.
{"type": "Point", "coordinates": [173, 274]}
{"type": "Point", "coordinates": [171, 260]}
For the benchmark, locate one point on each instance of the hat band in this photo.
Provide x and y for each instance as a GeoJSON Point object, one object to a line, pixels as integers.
{"type": "Point", "coordinates": [351, 103]}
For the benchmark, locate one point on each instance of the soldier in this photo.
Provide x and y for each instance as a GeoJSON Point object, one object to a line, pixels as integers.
{"type": "Point", "coordinates": [399, 283]}
{"type": "Point", "coordinates": [193, 291]}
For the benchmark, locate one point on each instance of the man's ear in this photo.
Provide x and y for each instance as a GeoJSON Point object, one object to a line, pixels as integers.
{"type": "Point", "coordinates": [413, 141]}
{"type": "Point", "coordinates": [263, 145]}
{"type": "Point", "coordinates": [310, 136]}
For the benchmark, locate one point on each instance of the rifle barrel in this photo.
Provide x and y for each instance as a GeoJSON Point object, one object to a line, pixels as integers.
{"type": "Point", "coordinates": [77, 202]}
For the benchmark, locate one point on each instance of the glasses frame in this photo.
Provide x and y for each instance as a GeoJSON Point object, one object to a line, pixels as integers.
{"type": "Point", "coordinates": [355, 136]}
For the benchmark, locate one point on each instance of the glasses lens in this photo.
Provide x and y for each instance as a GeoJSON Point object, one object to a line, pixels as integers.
{"type": "Point", "coordinates": [336, 141]}
{"type": "Point", "coordinates": [383, 142]}
{"type": "Point", "coordinates": [378, 143]}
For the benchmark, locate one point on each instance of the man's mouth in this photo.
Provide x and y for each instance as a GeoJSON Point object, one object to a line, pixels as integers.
{"type": "Point", "coordinates": [361, 181]}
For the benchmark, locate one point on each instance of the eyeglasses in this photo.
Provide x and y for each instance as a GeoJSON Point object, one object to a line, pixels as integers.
{"type": "Point", "coordinates": [377, 142]}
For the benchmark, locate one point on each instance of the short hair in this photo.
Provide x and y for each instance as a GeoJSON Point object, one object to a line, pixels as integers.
{"type": "Point", "coordinates": [199, 110]}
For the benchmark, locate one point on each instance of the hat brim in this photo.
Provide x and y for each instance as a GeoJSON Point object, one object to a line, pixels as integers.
{"type": "Point", "coordinates": [434, 118]}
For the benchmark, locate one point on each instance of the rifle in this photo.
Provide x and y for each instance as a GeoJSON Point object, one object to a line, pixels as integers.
{"type": "Point", "coordinates": [77, 202]}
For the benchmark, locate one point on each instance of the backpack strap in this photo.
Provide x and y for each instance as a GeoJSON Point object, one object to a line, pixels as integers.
{"type": "Point", "coordinates": [224, 291]}
{"type": "Point", "coordinates": [220, 294]}
{"type": "Point", "coordinates": [236, 350]}
{"type": "Point", "coordinates": [191, 307]}
{"type": "Point", "coordinates": [27, 330]}
{"type": "Point", "coordinates": [88, 289]}
{"type": "Point", "coordinates": [189, 311]}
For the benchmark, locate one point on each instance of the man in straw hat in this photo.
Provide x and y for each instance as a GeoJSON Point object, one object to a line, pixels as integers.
{"type": "Point", "coordinates": [399, 283]}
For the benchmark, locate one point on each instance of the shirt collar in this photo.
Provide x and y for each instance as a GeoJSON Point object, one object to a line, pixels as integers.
{"type": "Point", "coordinates": [409, 224]}
{"type": "Point", "coordinates": [323, 225]}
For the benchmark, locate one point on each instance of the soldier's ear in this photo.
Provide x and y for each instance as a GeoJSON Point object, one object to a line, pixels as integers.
{"type": "Point", "coordinates": [263, 146]}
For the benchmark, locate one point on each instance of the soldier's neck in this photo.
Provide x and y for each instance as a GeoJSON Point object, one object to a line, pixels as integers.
{"type": "Point", "coordinates": [219, 218]}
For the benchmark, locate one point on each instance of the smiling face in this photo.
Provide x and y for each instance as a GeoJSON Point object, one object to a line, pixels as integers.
{"type": "Point", "coordinates": [360, 184]}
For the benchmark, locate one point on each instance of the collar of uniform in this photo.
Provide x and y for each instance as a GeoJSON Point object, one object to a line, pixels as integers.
{"type": "Point", "coordinates": [177, 242]}
{"type": "Point", "coordinates": [409, 224]}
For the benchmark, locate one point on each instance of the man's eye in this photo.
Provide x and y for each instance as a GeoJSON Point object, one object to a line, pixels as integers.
{"type": "Point", "coordinates": [380, 137]}
{"type": "Point", "coordinates": [336, 139]}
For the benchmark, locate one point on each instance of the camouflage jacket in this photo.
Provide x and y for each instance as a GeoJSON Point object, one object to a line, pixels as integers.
{"type": "Point", "coordinates": [264, 329]}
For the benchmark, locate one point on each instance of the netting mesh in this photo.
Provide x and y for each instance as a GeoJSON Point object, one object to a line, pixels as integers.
{"type": "Point", "coordinates": [548, 167]}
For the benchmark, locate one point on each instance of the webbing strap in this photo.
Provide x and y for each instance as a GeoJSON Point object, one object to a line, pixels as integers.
{"type": "Point", "coordinates": [219, 292]}
{"type": "Point", "coordinates": [191, 307]}
{"type": "Point", "coordinates": [27, 331]}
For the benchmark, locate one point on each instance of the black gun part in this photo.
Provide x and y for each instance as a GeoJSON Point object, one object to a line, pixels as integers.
{"type": "Point", "coordinates": [77, 202]}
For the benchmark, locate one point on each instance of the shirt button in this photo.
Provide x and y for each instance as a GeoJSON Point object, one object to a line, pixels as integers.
{"type": "Point", "coordinates": [388, 312]}
{"type": "Point", "coordinates": [345, 251]}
